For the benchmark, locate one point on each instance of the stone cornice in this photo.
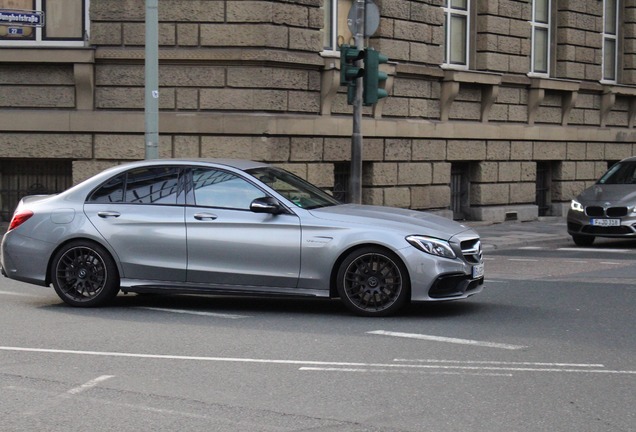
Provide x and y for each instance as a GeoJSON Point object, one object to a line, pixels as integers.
{"type": "Point", "coordinates": [132, 122]}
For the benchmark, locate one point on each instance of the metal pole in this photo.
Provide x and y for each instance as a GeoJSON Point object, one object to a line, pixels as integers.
{"type": "Point", "coordinates": [152, 80]}
{"type": "Point", "coordinates": [355, 179]}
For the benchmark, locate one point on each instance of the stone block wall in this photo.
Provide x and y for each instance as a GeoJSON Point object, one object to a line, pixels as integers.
{"type": "Point", "coordinates": [248, 79]}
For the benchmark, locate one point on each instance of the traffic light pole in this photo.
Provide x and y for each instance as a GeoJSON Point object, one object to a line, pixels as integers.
{"type": "Point", "coordinates": [355, 175]}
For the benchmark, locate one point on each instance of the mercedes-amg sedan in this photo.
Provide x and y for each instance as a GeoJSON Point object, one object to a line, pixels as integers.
{"type": "Point", "coordinates": [234, 227]}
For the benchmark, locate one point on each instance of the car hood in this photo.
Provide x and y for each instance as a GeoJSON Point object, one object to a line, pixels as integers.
{"type": "Point", "coordinates": [614, 194]}
{"type": "Point", "coordinates": [402, 220]}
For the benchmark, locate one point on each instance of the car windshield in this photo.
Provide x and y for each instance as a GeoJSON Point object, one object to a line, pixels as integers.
{"type": "Point", "coordinates": [300, 192]}
{"type": "Point", "coordinates": [621, 173]}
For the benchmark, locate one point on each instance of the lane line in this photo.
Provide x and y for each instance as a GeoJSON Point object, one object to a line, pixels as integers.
{"type": "Point", "coordinates": [190, 312]}
{"type": "Point", "coordinates": [447, 339]}
{"type": "Point", "coordinates": [89, 385]}
{"type": "Point", "coordinates": [573, 249]}
{"type": "Point", "coordinates": [501, 363]}
{"type": "Point", "coordinates": [309, 363]}
{"type": "Point", "coordinates": [333, 369]}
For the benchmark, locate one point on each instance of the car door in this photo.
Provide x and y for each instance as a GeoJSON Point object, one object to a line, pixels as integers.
{"type": "Point", "coordinates": [139, 215]}
{"type": "Point", "coordinates": [230, 245]}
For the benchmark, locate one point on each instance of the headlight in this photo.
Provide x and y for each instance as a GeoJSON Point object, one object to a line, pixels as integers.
{"type": "Point", "coordinates": [576, 206]}
{"type": "Point", "coordinates": [432, 246]}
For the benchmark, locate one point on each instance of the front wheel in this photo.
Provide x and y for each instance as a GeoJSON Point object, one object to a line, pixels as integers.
{"type": "Point", "coordinates": [373, 282]}
{"type": "Point", "coordinates": [84, 274]}
{"type": "Point", "coordinates": [580, 240]}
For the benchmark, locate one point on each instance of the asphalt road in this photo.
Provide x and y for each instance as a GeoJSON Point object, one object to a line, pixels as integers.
{"type": "Point", "coordinates": [548, 346]}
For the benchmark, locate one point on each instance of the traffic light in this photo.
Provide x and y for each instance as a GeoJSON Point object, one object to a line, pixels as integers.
{"type": "Point", "coordinates": [372, 77]}
{"type": "Point", "coordinates": [349, 72]}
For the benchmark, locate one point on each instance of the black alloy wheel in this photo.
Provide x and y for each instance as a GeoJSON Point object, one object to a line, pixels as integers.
{"type": "Point", "coordinates": [373, 282]}
{"type": "Point", "coordinates": [84, 274]}
{"type": "Point", "coordinates": [581, 240]}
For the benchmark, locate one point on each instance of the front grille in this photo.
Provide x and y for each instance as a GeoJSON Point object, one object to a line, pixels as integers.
{"type": "Point", "coordinates": [471, 250]}
{"type": "Point", "coordinates": [455, 285]}
{"type": "Point", "coordinates": [599, 230]}
{"type": "Point", "coordinates": [596, 211]}
{"type": "Point", "coordinates": [616, 211]}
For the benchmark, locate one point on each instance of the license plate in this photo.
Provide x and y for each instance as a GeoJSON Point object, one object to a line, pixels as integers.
{"type": "Point", "coordinates": [606, 222]}
{"type": "Point", "coordinates": [478, 271]}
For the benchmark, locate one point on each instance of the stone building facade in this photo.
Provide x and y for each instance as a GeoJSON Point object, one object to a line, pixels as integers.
{"type": "Point", "coordinates": [497, 109]}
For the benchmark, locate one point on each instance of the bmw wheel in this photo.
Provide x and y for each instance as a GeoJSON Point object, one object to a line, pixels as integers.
{"type": "Point", "coordinates": [84, 274]}
{"type": "Point", "coordinates": [373, 282]}
{"type": "Point", "coordinates": [581, 240]}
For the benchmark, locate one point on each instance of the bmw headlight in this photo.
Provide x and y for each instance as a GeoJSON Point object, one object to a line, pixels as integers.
{"type": "Point", "coordinates": [432, 246]}
{"type": "Point", "coordinates": [576, 206]}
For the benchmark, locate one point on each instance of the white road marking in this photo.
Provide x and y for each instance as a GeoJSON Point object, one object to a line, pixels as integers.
{"type": "Point", "coordinates": [532, 248]}
{"type": "Point", "coordinates": [348, 365]}
{"type": "Point", "coordinates": [572, 249]}
{"type": "Point", "coordinates": [90, 384]}
{"type": "Point", "coordinates": [611, 263]}
{"type": "Point", "coordinates": [325, 369]}
{"type": "Point", "coordinates": [190, 312]}
{"type": "Point", "coordinates": [581, 365]}
{"type": "Point", "coordinates": [447, 339]}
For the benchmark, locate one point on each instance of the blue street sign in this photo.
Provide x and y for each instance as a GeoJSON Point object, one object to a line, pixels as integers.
{"type": "Point", "coordinates": [21, 18]}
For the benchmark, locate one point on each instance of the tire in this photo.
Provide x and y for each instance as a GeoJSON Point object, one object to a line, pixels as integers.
{"type": "Point", "coordinates": [84, 274]}
{"type": "Point", "coordinates": [373, 282]}
{"type": "Point", "coordinates": [580, 240]}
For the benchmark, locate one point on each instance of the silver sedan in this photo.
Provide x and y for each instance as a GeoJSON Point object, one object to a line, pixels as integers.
{"type": "Point", "coordinates": [606, 209]}
{"type": "Point", "coordinates": [234, 227]}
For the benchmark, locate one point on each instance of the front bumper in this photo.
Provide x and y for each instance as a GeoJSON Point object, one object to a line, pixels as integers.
{"type": "Point", "coordinates": [580, 224]}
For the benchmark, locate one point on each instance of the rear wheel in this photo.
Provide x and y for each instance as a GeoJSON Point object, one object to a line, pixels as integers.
{"type": "Point", "coordinates": [373, 282]}
{"type": "Point", "coordinates": [84, 274]}
{"type": "Point", "coordinates": [580, 240]}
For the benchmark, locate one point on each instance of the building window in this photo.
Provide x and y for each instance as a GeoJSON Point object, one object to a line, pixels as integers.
{"type": "Point", "coordinates": [540, 63]}
{"type": "Point", "coordinates": [336, 30]}
{"type": "Point", "coordinates": [65, 23]}
{"type": "Point", "coordinates": [456, 40]}
{"type": "Point", "coordinates": [610, 33]}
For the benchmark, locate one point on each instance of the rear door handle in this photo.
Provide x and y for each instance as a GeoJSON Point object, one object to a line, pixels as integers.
{"type": "Point", "coordinates": [108, 214]}
{"type": "Point", "coordinates": [205, 216]}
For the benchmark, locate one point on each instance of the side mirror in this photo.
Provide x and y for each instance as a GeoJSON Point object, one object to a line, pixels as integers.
{"type": "Point", "coordinates": [266, 205]}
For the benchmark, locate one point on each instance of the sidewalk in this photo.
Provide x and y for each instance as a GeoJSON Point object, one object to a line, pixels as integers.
{"type": "Point", "coordinates": [517, 234]}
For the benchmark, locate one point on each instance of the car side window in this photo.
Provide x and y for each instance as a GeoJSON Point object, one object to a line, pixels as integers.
{"type": "Point", "coordinates": [154, 185]}
{"type": "Point", "coordinates": [217, 188]}
{"type": "Point", "coordinates": [110, 192]}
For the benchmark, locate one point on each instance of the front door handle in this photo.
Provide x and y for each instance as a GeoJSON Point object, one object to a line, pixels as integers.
{"type": "Point", "coordinates": [108, 214]}
{"type": "Point", "coordinates": [205, 216]}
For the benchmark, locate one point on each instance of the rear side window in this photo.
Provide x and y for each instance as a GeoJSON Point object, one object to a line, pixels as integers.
{"type": "Point", "coordinates": [154, 185]}
{"type": "Point", "coordinates": [110, 192]}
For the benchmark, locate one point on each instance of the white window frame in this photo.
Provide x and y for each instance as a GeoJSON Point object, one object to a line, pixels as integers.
{"type": "Point", "coordinates": [613, 37]}
{"type": "Point", "coordinates": [544, 26]}
{"type": "Point", "coordinates": [334, 44]}
{"type": "Point", "coordinates": [449, 11]}
{"type": "Point", "coordinates": [51, 43]}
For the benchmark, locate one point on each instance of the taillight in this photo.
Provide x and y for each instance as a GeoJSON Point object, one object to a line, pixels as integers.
{"type": "Point", "coordinates": [19, 218]}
